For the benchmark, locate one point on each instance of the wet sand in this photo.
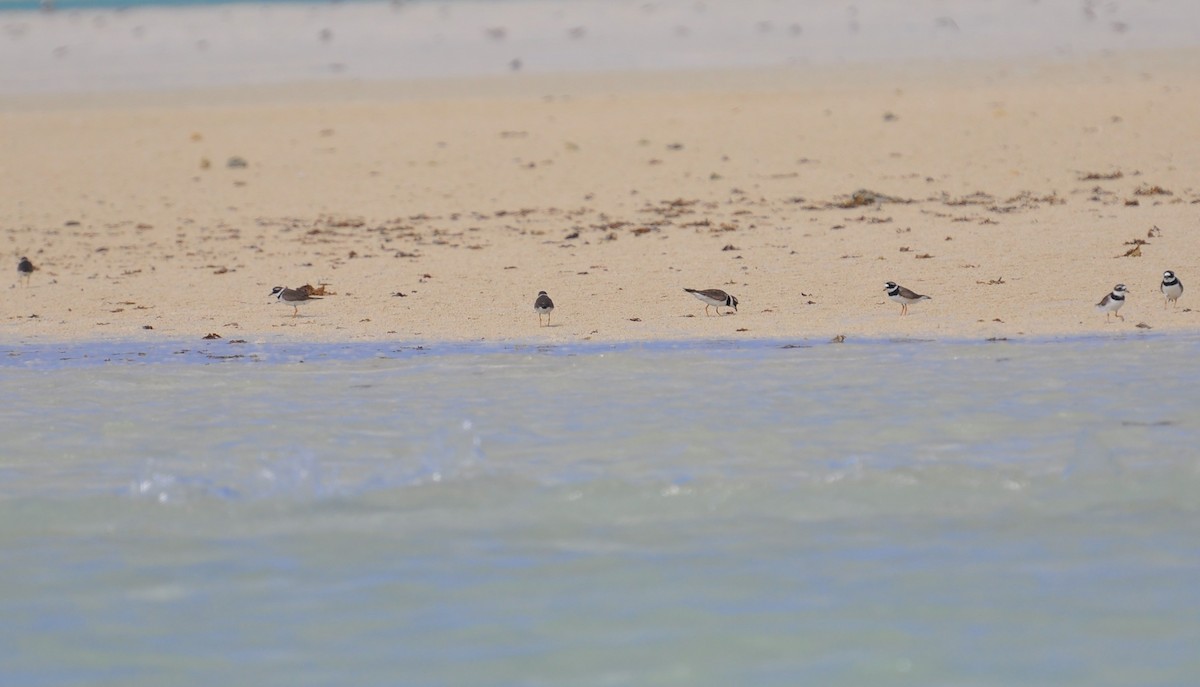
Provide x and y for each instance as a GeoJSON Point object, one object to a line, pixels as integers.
{"type": "Point", "coordinates": [437, 209]}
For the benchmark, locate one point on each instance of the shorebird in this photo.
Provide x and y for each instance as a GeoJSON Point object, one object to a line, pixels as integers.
{"type": "Point", "coordinates": [1112, 302]}
{"type": "Point", "coordinates": [1172, 288]}
{"type": "Point", "coordinates": [25, 270]}
{"type": "Point", "coordinates": [905, 297]}
{"type": "Point", "coordinates": [543, 306]}
{"type": "Point", "coordinates": [292, 297]}
{"type": "Point", "coordinates": [714, 298]}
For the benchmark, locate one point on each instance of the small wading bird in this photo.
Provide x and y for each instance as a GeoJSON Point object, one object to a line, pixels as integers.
{"type": "Point", "coordinates": [1112, 302]}
{"type": "Point", "coordinates": [543, 306]}
{"type": "Point", "coordinates": [714, 298]}
{"type": "Point", "coordinates": [903, 296]}
{"type": "Point", "coordinates": [292, 297]}
{"type": "Point", "coordinates": [25, 270]}
{"type": "Point", "coordinates": [1172, 288]}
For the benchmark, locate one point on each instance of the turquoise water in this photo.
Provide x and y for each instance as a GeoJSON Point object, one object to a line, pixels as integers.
{"type": "Point", "coordinates": [913, 513]}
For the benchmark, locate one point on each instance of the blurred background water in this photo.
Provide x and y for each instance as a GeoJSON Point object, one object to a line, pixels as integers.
{"type": "Point", "coordinates": [90, 46]}
{"type": "Point", "coordinates": [708, 514]}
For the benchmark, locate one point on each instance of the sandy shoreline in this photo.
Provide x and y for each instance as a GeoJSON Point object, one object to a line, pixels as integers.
{"type": "Point", "coordinates": [1015, 187]}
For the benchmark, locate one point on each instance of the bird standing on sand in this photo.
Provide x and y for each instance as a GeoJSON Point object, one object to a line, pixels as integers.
{"type": "Point", "coordinates": [1112, 302]}
{"type": "Point", "coordinates": [714, 298]}
{"type": "Point", "coordinates": [543, 306]}
{"type": "Point", "coordinates": [25, 270]}
{"type": "Point", "coordinates": [905, 297]}
{"type": "Point", "coordinates": [1172, 288]}
{"type": "Point", "coordinates": [292, 297]}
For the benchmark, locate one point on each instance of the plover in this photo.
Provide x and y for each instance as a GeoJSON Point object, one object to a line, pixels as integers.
{"type": "Point", "coordinates": [292, 297]}
{"type": "Point", "coordinates": [1172, 288]}
{"type": "Point", "coordinates": [714, 298]}
{"type": "Point", "coordinates": [543, 306]}
{"type": "Point", "coordinates": [25, 270]}
{"type": "Point", "coordinates": [903, 296]}
{"type": "Point", "coordinates": [1112, 302]}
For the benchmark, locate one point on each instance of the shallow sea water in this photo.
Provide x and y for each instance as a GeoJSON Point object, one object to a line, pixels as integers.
{"type": "Point", "coordinates": [912, 513]}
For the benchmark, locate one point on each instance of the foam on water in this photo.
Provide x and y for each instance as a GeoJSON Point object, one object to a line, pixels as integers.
{"type": "Point", "coordinates": [921, 513]}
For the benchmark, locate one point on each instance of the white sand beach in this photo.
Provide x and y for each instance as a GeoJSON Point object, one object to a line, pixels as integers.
{"type": "Point", "coordinates": [435, 198]}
